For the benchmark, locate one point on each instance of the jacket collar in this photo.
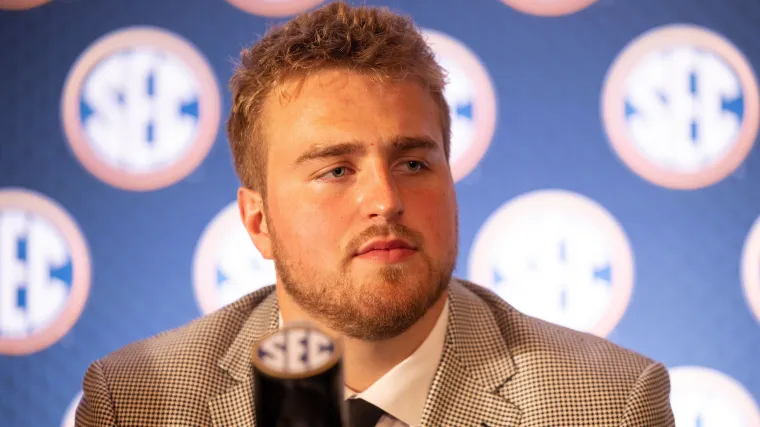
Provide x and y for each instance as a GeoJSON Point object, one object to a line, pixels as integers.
{"type": "Point", "coordinates": [476, 363]}
{"type": "Point", "coordinates": [263, 320]}
{"type": "Point", "coordinates": [234, 406]}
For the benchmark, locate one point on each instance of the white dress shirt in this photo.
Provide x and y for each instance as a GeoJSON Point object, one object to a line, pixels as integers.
{"type": "Point", "coordinates": [403, 390]}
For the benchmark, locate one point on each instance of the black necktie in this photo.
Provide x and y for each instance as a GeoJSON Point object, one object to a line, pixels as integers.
{"type": "Point", "coordinates": [362, 413]}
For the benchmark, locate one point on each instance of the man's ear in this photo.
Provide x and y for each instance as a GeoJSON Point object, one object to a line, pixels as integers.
{"type": "Point", "coordinates": [251, 206]}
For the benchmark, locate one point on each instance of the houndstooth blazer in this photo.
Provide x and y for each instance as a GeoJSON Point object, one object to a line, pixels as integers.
{"type": "Point", "coordinates": [498, 368]}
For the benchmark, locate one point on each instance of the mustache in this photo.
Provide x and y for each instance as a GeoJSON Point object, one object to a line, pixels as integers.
{"type": "Point", "coordinates": [396, 230]}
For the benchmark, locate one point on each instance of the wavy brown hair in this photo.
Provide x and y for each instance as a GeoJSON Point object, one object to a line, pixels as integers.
{"type": "Point", "coordinates": [374, 41]}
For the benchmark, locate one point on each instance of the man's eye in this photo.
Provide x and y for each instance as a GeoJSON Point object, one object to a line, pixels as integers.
{"type": "Point", "coordinates": [338, 172]}
{"type": "Point", "coordinates": [415, 165]}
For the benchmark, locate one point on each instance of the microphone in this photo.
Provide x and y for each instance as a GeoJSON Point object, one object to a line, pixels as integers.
{"type": "Point", "coordinates": [298, 378]}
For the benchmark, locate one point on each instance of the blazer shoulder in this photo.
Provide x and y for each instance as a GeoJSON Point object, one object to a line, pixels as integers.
{"type": "Point", "coordinates": [532, 337]}
{"type": "Point", "coordinates": [581, 378]}
{"type": "Point", "coordinates": [193, 347]}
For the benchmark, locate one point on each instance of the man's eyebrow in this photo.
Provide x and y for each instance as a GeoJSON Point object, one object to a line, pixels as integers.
{"type": "Point", "coordinates": [320, 151]}
{"type": "Point", "coordinates": [409, 143]}
{"type": "Point", "coordinates": [398, 144]}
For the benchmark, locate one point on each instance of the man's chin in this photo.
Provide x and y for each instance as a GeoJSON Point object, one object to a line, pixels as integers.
{"type": "Point", "coordinates": [382, 323]}
{"type": "Point", "coordinates": [390, 274]}
{"type": "Point", "coordinates": [386, 311]}
{"type": "Point", "coordinates": [371, 304]}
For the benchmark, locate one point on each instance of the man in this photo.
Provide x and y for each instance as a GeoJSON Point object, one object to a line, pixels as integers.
{"type": "Point", "coordinates": [340, 135]}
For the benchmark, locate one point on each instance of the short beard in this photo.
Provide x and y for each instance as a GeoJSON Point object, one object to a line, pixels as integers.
{"type": "Point", "coordinates": [397, 304]}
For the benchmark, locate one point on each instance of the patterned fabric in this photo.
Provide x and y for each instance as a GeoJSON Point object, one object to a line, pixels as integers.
{"type": "Point", "coordinates": [499, 368]}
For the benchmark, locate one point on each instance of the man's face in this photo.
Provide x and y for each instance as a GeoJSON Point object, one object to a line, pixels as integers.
{"type": "Point", "coordinates": [360, 209]}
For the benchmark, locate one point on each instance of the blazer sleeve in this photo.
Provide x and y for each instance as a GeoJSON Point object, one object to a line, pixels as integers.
{"type": "Point", "coordinates": [648, 403]}
{"type": "Point", "coordinates": [95, 409]}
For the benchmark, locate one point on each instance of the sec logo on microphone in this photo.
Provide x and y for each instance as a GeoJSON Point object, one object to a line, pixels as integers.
{"type": "Point", "coordinates": [680, 107]}
{"type": "Point", "coordinates": [295, 350]}
{"type": "Point", "coordinates": [549, 7]}
{"type": "Point", "coordinates": [704, 397]}
{"type": "Point", "coordinates": [140, 108]}
{"type": "Point", "coordinates": [227, 265]}
{"type": "Point", "coordinates": [750, 269]}
{"type": "Point", "coordinates": [472, 102]}
{"type": "Point", "coordinates": [69, 418]}
{"type": "Point", "coordinates": [275, 8]}
{"type": "Point", "coordinates": [557, 256]}
{"type": "Point", "coordinates": [21, 4]}
{"type": "Point", "coordinates": [44, 272]}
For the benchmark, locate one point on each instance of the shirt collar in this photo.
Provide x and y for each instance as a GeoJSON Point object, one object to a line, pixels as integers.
{"type": "Point", "coordinates": [402, 391]}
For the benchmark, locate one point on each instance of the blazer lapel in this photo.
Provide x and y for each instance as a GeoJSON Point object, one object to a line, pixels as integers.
{"type": "Point", "coordinates": [234, 406]}
{"type": "Point", "coordinates": [475, 365]}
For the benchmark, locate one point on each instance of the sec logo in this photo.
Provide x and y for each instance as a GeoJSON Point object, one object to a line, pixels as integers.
{"type": "Point", "coordinates": [703, 397]}
{"type": "Point", "coordinates": [227, 265]}
{"type": "Point", "coordinates": [557, 256]}
{"type": "Point", "coordinates": [550, 7]}
{"type": "Point", "coordinates": [750, 266]}
{"type": "Point", "coordinates": [44, 272]}
{"type": "Point", "coordinates": [472, 102]}
{"type": "Point", "coordinates": [21, 4]}
{"type": "Point", "coordinates": [275, 8]}
{"type": "Point", "coordinates": [69, 417]}
{"type": "Point", "coordinates": [680, 107]}
{"type": "Point", "coordinates": [295, 350]}
{"type": "Point", "coordinates": [140, 109]}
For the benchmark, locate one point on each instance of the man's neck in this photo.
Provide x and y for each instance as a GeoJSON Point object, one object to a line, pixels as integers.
{"type": "Point", "coordinates": [365, 362]}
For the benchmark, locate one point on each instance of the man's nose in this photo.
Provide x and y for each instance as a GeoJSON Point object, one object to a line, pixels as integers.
{"type": "Point", "coordinates": [380, 195]}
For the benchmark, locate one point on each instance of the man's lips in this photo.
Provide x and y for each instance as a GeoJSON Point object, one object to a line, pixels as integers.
{"type": "Point", "coordinates": [386, 251]}
{"type": "Point", "coordinates": [385, 245]}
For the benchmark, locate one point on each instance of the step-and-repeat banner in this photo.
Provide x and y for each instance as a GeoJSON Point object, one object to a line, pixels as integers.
{"type": "Point", "coordinates": [603, 152]}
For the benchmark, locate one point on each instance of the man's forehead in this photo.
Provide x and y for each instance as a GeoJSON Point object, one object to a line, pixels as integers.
{"type": "Point", "coordinates": [308, 111]}
{"type": "Point", "coordinates": [307, 98]}
{"type": "Point", "coordinates": [335, 83]}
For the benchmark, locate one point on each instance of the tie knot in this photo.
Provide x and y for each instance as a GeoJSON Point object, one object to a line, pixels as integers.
{"type": "Point", "coordinates": [362, 413]}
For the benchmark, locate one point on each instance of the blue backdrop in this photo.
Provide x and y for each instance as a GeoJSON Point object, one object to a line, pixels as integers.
{"type": "Point", "coordinates": [603, 150]}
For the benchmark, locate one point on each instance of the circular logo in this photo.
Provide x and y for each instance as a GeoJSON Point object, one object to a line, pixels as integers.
{"type": "Point", "coordinates": [549, 7]}
{"type": "Point", "coordinates": [69, 418]}
{"type": "Point", "coordinates": [141, 109]}
{"type": "Point", "coordinates": [227, 265]}
{"type": "Point", "coordinates": [557, 256]}
{"type": "Point", "coordinates": [295, 350]}
{"type": "Point", "coordinates": [275, 8]}
{"type": "Point", "coordinates": [472, 102]}
{"type": "Point", "coordinates": [703, 397]}
{"type": "Point", "coordinates": [44, 272]}
{"type": "Point", "coordinates": [680, 107]}
{"type": "Point", "coordinates": [751, 268]}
